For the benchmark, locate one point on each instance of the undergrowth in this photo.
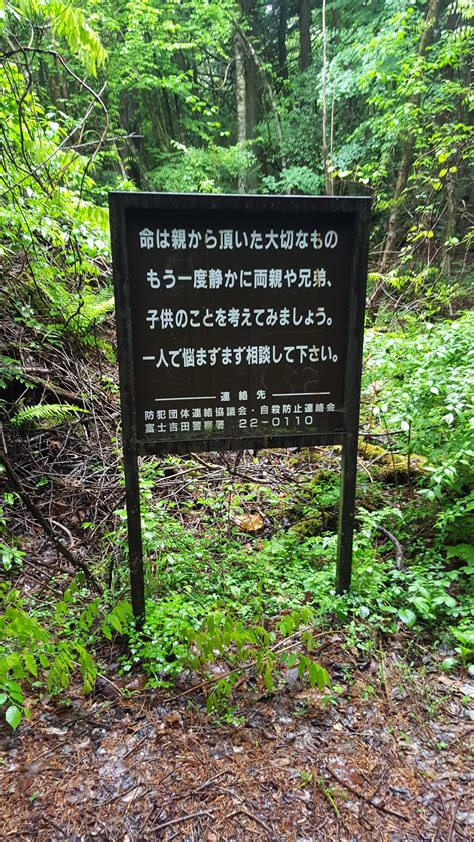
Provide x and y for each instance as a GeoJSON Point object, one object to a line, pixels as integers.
{"type": "Point", "coordinates": [226, 600]}
{"type": "Point", "coordinates": [43, 647]}
{"type": "Point", "coordinates": [417, 402]}
{"type": "Point", "coordinates": [193, 577]}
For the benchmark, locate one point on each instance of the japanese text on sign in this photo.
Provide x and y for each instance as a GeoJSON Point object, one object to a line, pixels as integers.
{"type": "Point", "coordinates": [239, 329]}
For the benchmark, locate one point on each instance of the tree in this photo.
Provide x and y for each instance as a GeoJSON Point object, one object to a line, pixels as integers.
{"type": "Point", "coordinates": [245, 87]}
{"type": "Point", "coordinates": [304, 21]}
{"type": "Point", "coordinates": [282, 30]}
{"type": "Point", "coordinates": [431, 21]}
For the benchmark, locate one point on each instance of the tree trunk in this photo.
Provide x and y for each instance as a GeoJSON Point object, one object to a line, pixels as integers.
{"type": "Point", "coordinates": [282, 26]}
{"type": "Point", "coordinates": [246, 93]}
{"type": "Point", "coordinates": [241, 94]}
{"type": "Point", "coordinates": [328, 183]}
{"type": "Point", "coordinates": [450, 228]}
{"type": "Point", "coordinates": [269, 90]}
{"type": "Point", "coordinates": [407, 153]}
{"type": "Point", "coordinates": [304, 19]}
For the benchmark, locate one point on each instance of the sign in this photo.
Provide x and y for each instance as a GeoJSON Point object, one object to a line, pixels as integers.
{"type": "Point", "coordinates": [239, 321]}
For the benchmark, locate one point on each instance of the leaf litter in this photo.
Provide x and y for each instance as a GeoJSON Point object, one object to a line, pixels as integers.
{"type": "Point", "coordinates": [374, 765]}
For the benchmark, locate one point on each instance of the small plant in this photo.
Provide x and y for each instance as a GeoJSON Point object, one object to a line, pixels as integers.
{"type": "Point", "coordinates": [253, 647]}
{"type": "Point", "coordinates": [48, 653]}
{"type": "Point", "coordinates": [48, 415]}
{"type": "Point", "coordinates": [187, 638]}
{"type": "Point", "coordinates": [464, 650]}
{"type": "Point", "coordinates": [10, 556]}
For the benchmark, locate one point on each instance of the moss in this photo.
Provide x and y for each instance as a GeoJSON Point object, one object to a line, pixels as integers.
{"type": "Point", "coordinates": [313, 455]}
{"type": "Point", "coordinates": [308, 527]}
{"type": "Point", "coordinates": [391, 467]}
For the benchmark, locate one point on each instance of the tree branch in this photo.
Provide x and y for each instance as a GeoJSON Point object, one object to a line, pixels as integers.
{"type": "Point", "coordinates": [33, 509]}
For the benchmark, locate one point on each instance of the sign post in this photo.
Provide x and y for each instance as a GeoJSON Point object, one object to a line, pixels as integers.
{"type": "Point", "coordinates": [239, 325]}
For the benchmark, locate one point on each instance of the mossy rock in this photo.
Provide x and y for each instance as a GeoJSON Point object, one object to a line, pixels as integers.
{"type": "Point", "coordinates": [321, 491]}
{"type": "Point", "coordinates": [325, 479]}
{"type": "Point", "coordinates": [314, 455]}
{"type": "Point", "coordinates": [308, 527]}
{"type": "Point", "coordinates": [389, 466]}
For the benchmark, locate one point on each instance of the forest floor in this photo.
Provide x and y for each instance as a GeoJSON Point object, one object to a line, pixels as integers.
{"type": "Point", "coordinates": [387, 760]}
{"type": "Point", "coordinates": [383, 754]}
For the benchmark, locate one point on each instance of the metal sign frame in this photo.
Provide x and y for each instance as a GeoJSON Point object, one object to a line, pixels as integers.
{"type": "Point", "coordinates": [358, 208]}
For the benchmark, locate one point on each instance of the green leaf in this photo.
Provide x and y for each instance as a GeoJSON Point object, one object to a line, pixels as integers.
{"type": "Point", "coordinates": [14, 691]}
{"type": "Point", "coordinates": [115, 623]}
{"type": "Point", "coordinates": [286, 626]}
{"type": "Point", "coordinates": [302, 666]}
{"type": "Point", "coordinates": [267, 679]}
{"type": "Point", "coordinates": [422, 605]}
{"type": "Point", "coordinates": [408, 617]}
{"type": "Point", "coordinates": [313, 674]}
{"type": "Point", "coordinates": [449, 601]}
{"type": "Point", "coordinates": [47, 416]}
{"type": "Point", "coordinates": [30, 663]}
{"type": "Point", "coordinates": [324, 679]}
{"type": "Point", "coordinates": [13, 716]}
{"type": "Point", "coordinates": [465, 636]}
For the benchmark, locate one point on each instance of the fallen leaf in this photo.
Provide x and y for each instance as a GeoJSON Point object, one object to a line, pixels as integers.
{"type": "Point", "coordinates": [174, 719]}
{"type": "Point", "coordinates": [249, 523]}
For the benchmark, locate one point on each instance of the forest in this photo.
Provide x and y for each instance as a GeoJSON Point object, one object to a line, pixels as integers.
{"type": "Point", "coordinates": [255, 701]}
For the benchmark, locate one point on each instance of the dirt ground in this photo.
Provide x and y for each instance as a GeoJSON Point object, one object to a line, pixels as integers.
{"type": "Point", "coordinates": [387, 757]}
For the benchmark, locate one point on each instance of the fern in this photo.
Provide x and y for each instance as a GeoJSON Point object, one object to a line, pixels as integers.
{"type": "Point", "coordinates": [96, 306]}
{"type": "Point", "coordinates": [79, 311]}
{"type": "Point", "coordinates": [48, 415]}
{"type": "Point", "coordinates": [462, 551]}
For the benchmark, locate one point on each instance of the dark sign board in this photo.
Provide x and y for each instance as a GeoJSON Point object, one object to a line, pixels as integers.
{"type": "Point", "coordinates": [239, 319]}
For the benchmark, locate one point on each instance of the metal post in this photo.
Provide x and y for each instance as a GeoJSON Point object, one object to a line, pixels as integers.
{"type": "Point", "coordinates": [135, 551]}
{"type": "Point", "coordinates": [346, 512]}
{"type": "Point", "coordinates": [127, 400]}
{"type": "Point", "coordinates": [352, 401]}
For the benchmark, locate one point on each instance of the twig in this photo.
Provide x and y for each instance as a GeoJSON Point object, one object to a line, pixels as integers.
{"type": "Point", "coordinates": [56, 390]}
{"type": "Point", "coordinates": [89, 717]}
{"type": "Point", "coordinates": [117, 690]}
{"type": "Point", "coordinates": [135, 747]}
{"type": "Point", "coordinates": [180, 819]}
{"type": "Point", "coordinates": [125, 792]}
{"type": "Point", "coordinates": [241, 812]}
{"type": "Point", "coordinates": [53, 824]}
{"type": "Point", "coordinates": [369, 800]}
{"type": "Point", "coordinates": [314, 793]}
{"type": "Point", "coordinates": [209, 781]}
{"type": "Point", "coordinates": [33, 509]}
{"type": "Point", "coordinates": [192, 792]}
{"type": "Point", "coordinates": [453, 818]}
{"type": "Point", "coordinates": [66, 530]}
{"type": "Point", "coordinates": [396, 543]}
